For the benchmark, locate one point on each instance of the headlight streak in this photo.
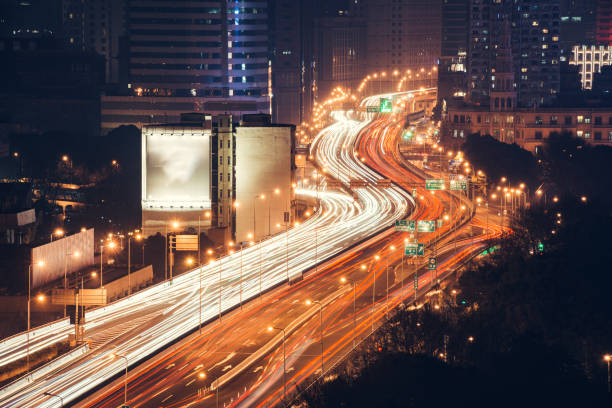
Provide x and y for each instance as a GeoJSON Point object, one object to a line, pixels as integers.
{"type": "Point", "coordinates": [167, 311]}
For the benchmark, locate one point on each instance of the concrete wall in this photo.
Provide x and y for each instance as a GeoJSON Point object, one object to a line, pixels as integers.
{"type": "Point", "coordinates": [61, 254]}
{"type": "Point", "coordinates": [119, 287]}
{"type": "Point", "coordinates": [263, 164]}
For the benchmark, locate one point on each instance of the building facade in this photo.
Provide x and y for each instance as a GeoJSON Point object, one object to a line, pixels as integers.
{"type": "Point", "coordinates": [528, 128]}
{"type": "Point", "coordinates": [589, 59]}
{"type": "Point", "coordinates": [264, 177]}
{"type": "Point", "coordinates": [401, 34]}
{"type": "Point", "coordinates": [210, 55]}
{"type": "Point", "coordinates": [604, 22]}
{"type": "Point", "coordinates": [535, 35]}
{"type": "Point", "coordinates": [188, 174]}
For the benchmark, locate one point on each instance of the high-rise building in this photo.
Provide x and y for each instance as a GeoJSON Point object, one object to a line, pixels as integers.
{"type": "Point", "coordinates": [577, 25]}
{"type": "Point", "coordinates": [200, 56]}
{"type": "Point", "coordinates": [604, 22]}
{"type": "Point", "coordinates": [293, 61]}
{"type": "Point", "coordinates": [535, 37]}
{"type": "Point", "coordinates": [452, 74]}
{"type": "Point", "coordinates": [590, 59]}
{"type": "Point", "coordinates": [340, 53]}
{"type": "Point", "coordinates": [401, 34]}
{"type": "Point", "coordinates": [104, 29]}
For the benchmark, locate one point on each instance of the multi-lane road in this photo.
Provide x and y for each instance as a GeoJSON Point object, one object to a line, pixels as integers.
{"type": "Point", "coordinates": [239, 356]}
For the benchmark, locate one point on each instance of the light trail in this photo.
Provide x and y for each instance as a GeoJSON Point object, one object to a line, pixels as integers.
{"type": "Point", "coordinates": [138, 326]}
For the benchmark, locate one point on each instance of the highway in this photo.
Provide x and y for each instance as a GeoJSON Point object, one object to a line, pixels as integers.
{"type": "Point", "coordinates": [137, 326]}
{"type": "Point", "coordinates": [246, 367]}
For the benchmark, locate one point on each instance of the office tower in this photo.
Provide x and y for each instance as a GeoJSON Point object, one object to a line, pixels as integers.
{"type": "Point", "coordinates": [452, 75]}
{"type": "Point", "coordinates": [604, 22]}
{"type": "Point", "coordinates": [535, 37]}
{"type": "Point", "coordinates": [192, 56]}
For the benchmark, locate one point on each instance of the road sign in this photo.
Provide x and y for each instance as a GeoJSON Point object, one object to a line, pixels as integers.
{"type": "Point", "coordinates": [458, 185]}
{"type": "Point", "coordinates": [426, 226]}
{"type": "Point", "coordinates": [432, 264]}
{"type": "Point", "coordinates": [434, 184]}
{"type": "Point", "coordinates": [414, 248]}
{"type": "Point", "coordinates": [407, 135]}
{"type": "Point", "coordinates": [440, 223]}
{"type": "Point", "coordinates": [186, 242]}
{"type": "Point", "coordinates": [372, 109]}
{"type": "Point", "coordinates": [405, 225]}
{"type": "Point", "coordinates": [92, 297]}
{"type": "Point", "coordinates": [386, 106]}
{"type": "Point", "coordinates": [414, 192]}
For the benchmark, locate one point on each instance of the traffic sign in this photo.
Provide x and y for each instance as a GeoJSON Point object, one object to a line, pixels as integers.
{"type": "Point", "coordinates": [386, 106]}
{"type": "Point", "coordinates": [432, 264]}
{"type": "Point", "coordinates": [426, 226]}
{"type": "Point", "coordinates": [407, 134]}
{"type": "Point", "coordinates": [434, 184]}
{"type": "Point", "coordinates": [372, 109]}
{"type": "Point", "coordinates": [405, 225]}
{"type": "Point", "coordinates": [440, 223]}
{"type": "Point", "coordinates": [414, 192]}
{"type": "Point", "coordinates": [458, 185]}
{"type": "Point", "coordinates": [414, 248]}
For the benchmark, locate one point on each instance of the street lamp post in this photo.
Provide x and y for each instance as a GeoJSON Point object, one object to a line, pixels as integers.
{"type": "Point", "coordinates": [376, 257]}
{"type": "Point", "coordinates": [284, 360]}
{"type": "Point", "coordinates": [125, 377]}
{"type": "Point", "coordinates": [50, 394]}
{"type": "Point", "coordinates": [343, 280]}
{"type": "Point", "coordinates": [40, 264]}
{"type": "Point", "coordinates": [137, 237]}
{"type": "Point", "coordinates": [76, 254]}
{"type": "Point", "coordinates": [309, 302]}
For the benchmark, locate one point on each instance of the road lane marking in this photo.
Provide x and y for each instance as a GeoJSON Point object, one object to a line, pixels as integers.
{"type": "Point", "coordinates": [227, 367]}
{"type": "Point", "coordinates": [258, 369]}
{"type": "Point", "coordinates": [190, 382]}
{"type": "Point", "coordinates": [167, 398]}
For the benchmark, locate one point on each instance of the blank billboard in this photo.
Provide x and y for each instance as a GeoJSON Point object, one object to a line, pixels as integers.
{"type": "Point", "coordinates": [176, 169]}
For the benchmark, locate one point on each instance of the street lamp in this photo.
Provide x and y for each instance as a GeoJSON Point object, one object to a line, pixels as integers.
{"type": "Point", "coordinates": [114, 356]}
{"type": "Point", "coordinates": [40, 264]}
{"type": "Point", "coordinates": [175, 224]}
{"type": "Point", "coordinates": [76, 254]}
{"type": "Point", "coordinates": [344, 280]}
{"type": "Point", "coordinates": [137, 237]}
{"type": "Point", "coordinates": [58, 233]}
{"type": "Point", "coordinates": [271, 328]}
{"type": "Point", "coordinates": [111, 245]}
{"type": "Point", "coordinates": [310, 302]}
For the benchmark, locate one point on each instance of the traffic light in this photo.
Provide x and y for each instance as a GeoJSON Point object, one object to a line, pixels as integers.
{"type": "Point", "coordinates": [540, 247]}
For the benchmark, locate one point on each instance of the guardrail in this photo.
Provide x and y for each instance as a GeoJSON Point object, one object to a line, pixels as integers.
{"type": "Point", "coordinates": [43, 371]}
{"type": "Point", "coordinates": [57, 330]}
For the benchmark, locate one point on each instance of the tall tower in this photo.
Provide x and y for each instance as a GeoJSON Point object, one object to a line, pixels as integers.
{"type": "Point", "coordinates": [503, 88]}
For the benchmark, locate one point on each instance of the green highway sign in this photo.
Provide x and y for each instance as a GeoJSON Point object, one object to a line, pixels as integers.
{"type": "Point", "coordinates": [434, 184]}
{"type": "Point", "coordinates": [426, 226]}
{"type": "Point", "coordinates": [372, 109]}
{"type": "Point", "coordinates": [407, 135]}
{"type": "Point", "coordinates": [414, 249]}
{"type": "Point", "coordinates": [458, 185]}
{"type": "Point", "coordinates": [432, 264]}
{"type": "Point", "coordinates": [405, 225]}
{"type": "Point", "coordinates": [386, 106]}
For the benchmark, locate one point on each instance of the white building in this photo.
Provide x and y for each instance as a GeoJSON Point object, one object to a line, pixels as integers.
{"type": "Point", "coordinates": [590, 59]}
{"type": "Point", "coordinates": [264, 177]}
